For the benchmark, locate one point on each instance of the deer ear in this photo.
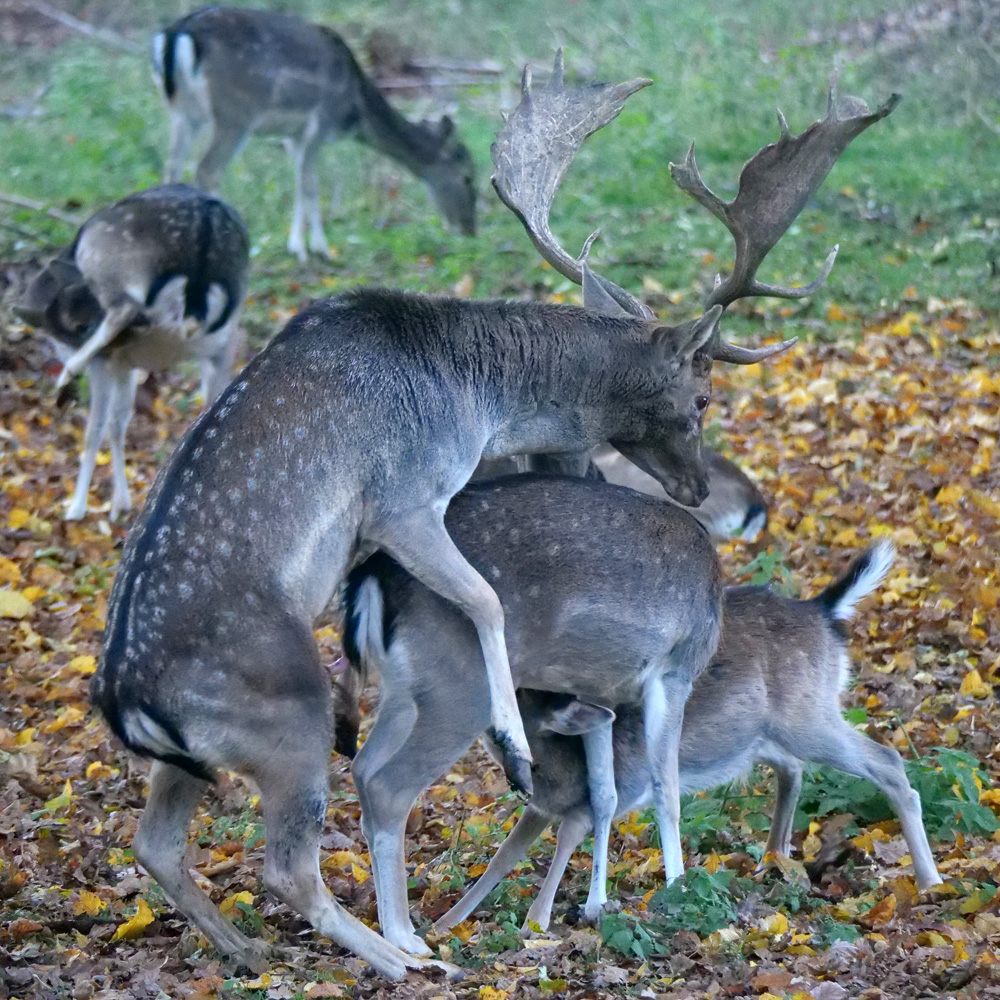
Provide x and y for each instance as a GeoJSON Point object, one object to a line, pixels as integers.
{"type": "Point", "coordinates": [445, 127]}
{"type": "Point", "coordinates": [686, 339]}
{"type": "Point", "coordinates": [596, 298]}
{"type": "Point", "coordinates": [577, 718]}
{"type": "Point", "coordinates": [77, 307]}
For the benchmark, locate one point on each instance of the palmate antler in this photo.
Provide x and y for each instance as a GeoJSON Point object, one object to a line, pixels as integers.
{"type": "Point", "coordinates": [542, 134]}
{"type": "Point", "coordinates": [534, 148]}
{"type": "Point", "coordinates": [775, 186]}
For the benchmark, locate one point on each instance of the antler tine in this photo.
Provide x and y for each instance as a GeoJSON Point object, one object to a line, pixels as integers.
{"type": "Point", "coordinates": [775, 186]}
{"type": "Point", "coordinates": [534, 149]}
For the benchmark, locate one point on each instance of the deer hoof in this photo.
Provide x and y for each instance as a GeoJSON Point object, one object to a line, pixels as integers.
{"type": "Point", "coordinates": [516, 766]}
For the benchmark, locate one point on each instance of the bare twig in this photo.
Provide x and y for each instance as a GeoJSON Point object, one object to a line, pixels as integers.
{"type": "Point", "coordinates": [31, 110]}
{"type": "Point", "coordinates": [102, 35]}
{"type": "Point", "coordinates": [37, 206]}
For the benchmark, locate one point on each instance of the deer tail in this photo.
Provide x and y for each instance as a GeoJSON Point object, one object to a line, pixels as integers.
{"type": "Point", "coordinates": [863, 575]}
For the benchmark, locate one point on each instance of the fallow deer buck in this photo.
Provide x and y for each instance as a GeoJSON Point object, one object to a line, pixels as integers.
{"type": "Point", "coordinates": [244, 71]}
{"type": "Point", "coordinates": [771, 695]}
{"type": "Point", "coordinates": [351, 432]}
{"type": "Point", "coordinates": [155, 279]}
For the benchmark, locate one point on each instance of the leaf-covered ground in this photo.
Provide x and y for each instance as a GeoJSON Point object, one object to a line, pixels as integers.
{"type": "Point", "coordinates": [888, 428]}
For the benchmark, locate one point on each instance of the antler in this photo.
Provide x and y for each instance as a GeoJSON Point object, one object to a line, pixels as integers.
{"type": "Point", "coordinates": [774, 187]}
{"type": "Point", "coordinates": [538, 141]}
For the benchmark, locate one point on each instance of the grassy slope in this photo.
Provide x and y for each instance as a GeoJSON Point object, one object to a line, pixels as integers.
{"type": "Point", "coordinates": [912, 204]}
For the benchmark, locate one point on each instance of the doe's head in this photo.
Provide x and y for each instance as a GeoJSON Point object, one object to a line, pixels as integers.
{"type": "Point", "coordinates": [451, 178]}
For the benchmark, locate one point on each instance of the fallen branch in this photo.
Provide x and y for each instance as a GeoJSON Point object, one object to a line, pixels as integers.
{"type": "Point", "coordinates": [102, 35]}
{"type": "Point", "coordinates": [37, 206]}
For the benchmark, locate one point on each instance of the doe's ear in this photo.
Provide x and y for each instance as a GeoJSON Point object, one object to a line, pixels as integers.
{"type": "Point", "coordinates": [577, 718]}
{"type": "Point", "coordinates": [77, 307]}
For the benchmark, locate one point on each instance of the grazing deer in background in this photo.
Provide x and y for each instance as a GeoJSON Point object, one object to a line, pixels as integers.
{"type": "Point", "coordinates": [609, 595]}
{"type": "Point", "coordinates": [770, 695]}
{"type": "Point", "coordinates": [247, 71]}
{"type": "Point", "coordinates": [351, 432]}
{"type": "Point", "coordinates": [157, 278]}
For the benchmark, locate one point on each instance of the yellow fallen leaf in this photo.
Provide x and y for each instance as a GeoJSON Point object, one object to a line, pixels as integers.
{"type": "Point", "coordinates": [14, 604]}
{"type": "Point", "coordinates": [834, 314]}
{"type": "Point", "coordinates": [491, 993]}
{"type": "Point", "coordinates": [360, 874]}
{"type": "Point", "coordinates": [10, 572]}
{"type": "Point", "coordinates": [33, 593]}
{"type": "Point", "coordinates": [262, 982]}
{"type": "Point", "coordinates": [83, 664]}
{"type": "Point", "coordinates": [776, 924]}
{"type": "Point", "coordinates": [89, 902]}
{"type": "Point", "coordinates": [97, 771]}
{"type": "Point", "coordinates": [476, 870]}
{"type": "Point", "coordinates": [134, 927]}
{"type": "Point", "coordinates": [63, 799]}
{"type": "Point", "coordinates": [18, 518]}
{"type": "Point", "coordinates": [931, 939]}
{"type": "Point", "coordinates": [985, 503]}
{"type": "Point", "coordinates": [974, 686]}
{"type": "Point", "coordinates": [71, 717]}
{"type": "Point", "coordinates": [950, 494]}
{"type": "Point", "coordinates": [227, 905]}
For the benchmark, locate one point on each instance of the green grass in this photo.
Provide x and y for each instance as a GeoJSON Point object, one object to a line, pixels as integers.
{"type": "Point", "coordinates": [913, 203]}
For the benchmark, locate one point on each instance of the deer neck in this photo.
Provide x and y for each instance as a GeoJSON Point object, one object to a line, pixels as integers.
{"type": "Point", "coordinates": [555, 381]}
{"type": "Point", "coordinates": [383, 128]}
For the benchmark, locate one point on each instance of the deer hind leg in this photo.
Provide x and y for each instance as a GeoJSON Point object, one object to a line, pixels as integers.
{"type": "Point", "coordinates": [664, 697]}
{"type": "Point", "coordinates": [572, 830]}
{"type": "Point", "coordinates": [846, 749]}
{"type": "Point", "coordinates": [416, 737]}
{"type": "Point", "coordinates": [160, 847]}
{"type": "Point", "coordinates": [123, 389]}
{"type": "Point", "coordinates": [293, 787]}
{"type": "Point", "coordinates": [183, 130]}
{"type": "Point", "coordinates": [420, 542]}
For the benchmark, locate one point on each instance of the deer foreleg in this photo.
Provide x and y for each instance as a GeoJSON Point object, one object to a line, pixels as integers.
{"type": "Point", "coordinates": [124, 384]}
{"type": "Point", "coordinates": [597, 745]}
{"type": "Point", "coordinates": [664, 697]}
{"type": "Point", "coordinates": [118, 317]}
{"type": "Point", "coordinates": [102, 388]}
{"type": "Point", "coordinates": [526, 831]}
{"type": "Point", "coordinates": [572, 830]}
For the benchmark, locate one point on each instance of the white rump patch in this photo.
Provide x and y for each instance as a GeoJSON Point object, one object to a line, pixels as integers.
{"type": "Point", "coordinates": [146, 734]}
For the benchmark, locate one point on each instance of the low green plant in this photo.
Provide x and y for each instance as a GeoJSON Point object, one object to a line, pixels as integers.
{"type": "Point", "coordinates": [700, 901]}
{"type": "Point", "coordinates": [628, 935]}
{"type": "Point", "coordinates": [948, 782]}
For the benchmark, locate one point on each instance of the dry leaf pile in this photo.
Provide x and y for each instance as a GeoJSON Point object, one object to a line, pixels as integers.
{"type": "Point", "coordinates": [892, 429]}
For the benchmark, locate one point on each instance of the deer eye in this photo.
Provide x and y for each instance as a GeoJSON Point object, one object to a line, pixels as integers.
{"type": "Point", "coordinates": [701, 402]}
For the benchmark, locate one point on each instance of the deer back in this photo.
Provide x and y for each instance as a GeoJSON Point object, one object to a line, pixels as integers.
{"type": "Point", "coordinates": [136, 246]}
{"type": "Point", "coordinates": [262, 69]}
